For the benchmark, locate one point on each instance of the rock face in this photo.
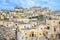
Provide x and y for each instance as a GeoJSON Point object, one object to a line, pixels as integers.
{"type": "Point", "coordinates": [6, 32]}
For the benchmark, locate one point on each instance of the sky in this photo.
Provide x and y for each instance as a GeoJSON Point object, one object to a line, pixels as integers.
{"type": "Point", "coordinates": [10, 4]}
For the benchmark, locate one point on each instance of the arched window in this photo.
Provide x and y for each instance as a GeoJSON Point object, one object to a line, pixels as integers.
{"type": "Point", "coordinates": [50, 18]}
{"type": "Point", "coordinates": [32, 34]}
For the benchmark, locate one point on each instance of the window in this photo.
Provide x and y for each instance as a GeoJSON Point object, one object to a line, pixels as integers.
{"type": "Point", "coordinates": [48, 27]}
{"type": "Point", "coordinates": [49, 18]}
{"type": "Point", "coordinates": [7, 25]}
{"type": "Point", "coordinates": [32, 34]}
{"type": "Point", "coordinates": [54, 29]}
{"type": "Point", "coordinates": [40, 33]}
{"type": "Point", "coordinates": [24, 26]}
{"type": "Point", "coordinates": [16, 24]}
{"type": "Point", "coordinates": [41, 28]}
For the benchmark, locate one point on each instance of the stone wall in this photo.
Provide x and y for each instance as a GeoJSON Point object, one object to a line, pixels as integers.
{"type": "Point", "coordinates": [6, 32]}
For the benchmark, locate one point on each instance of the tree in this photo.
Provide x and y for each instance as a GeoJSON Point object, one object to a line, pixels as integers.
{"type": "Point", "coordinates": [18, 7]}
{"type": "Point", "coordinates": [40, 17]}
{"type": "Point", "coordinates": [7, 12]}
{"type": "Point", "coordinates": [59, 24]}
